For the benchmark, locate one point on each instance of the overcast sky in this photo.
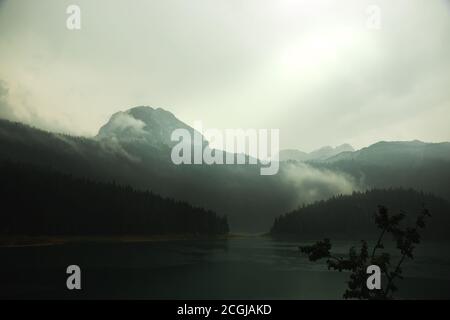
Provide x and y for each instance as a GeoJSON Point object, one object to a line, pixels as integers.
{"type": "Point", "coordinates": [310, 68]}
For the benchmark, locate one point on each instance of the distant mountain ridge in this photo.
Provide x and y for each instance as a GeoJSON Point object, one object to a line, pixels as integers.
{"type": "Point", "coordinates": [396, 151]}
{"type": "Point", "coordinates": [381, 152]}
{"type": "Point", "coordinates": [385, 164]}
{"type": "Point", "coordinates": [316, 155]}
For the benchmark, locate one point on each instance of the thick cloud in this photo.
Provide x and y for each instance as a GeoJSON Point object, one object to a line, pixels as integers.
{"type": "Point", "coordinates": [308, 67]}
{"type": "Point", "coordinates": [122, 122]}
{"type": "Point", "coordinates": [6, 111]}
{"type": "Point", "coordinates": [17, 106]}
{"type": "Point", "coordinates": [313, 184]}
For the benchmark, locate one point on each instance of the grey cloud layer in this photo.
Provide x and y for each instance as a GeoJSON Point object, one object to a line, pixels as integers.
{"type": "Point", "coordinates": [310, 68]}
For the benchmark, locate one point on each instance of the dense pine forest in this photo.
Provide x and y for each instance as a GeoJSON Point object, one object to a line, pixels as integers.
{"type": "Point", "coordinates": [40, 201]}
{"type": "Point", "coordinates": [352, 216]}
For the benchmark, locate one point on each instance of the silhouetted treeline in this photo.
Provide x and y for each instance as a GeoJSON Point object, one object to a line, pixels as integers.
{"type": "Point", "coordinates": [351, 216]}
{"type": "Point", "coordinates": [39, 201]}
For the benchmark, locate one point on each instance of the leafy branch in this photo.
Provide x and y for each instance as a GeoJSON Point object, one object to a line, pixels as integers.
{"type": "Point", "coordinates": [357, 261]}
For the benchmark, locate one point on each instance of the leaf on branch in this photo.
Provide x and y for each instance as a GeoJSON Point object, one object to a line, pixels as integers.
{"type": "Point", "coordinates": [319, 250]}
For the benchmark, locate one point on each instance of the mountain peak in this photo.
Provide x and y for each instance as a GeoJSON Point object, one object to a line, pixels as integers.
{"type": "Point", "coordinates": [327, 151]}
{"type": "Point", "coordinates": [345, 147]}
{"type": "Point", "coordinates": [142, 111]}
{"type": "Point", "coordinates": [142, 123]}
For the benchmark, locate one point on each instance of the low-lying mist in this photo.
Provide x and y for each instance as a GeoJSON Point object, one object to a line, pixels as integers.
{"type": "Point", "coordinates": [313, 184]}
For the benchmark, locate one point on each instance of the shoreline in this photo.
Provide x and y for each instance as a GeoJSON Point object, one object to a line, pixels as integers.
{"type": "Point", "coordinates": [40, 241]}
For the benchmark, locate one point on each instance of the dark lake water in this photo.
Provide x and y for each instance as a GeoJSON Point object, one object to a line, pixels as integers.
{"type": "Point", "coordinates": [240, 268]}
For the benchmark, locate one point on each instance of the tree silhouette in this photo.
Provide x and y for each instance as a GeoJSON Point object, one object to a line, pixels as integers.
{"type": "Point", "coordinates": [357, 261]}
{"type": "Point", "coordinates": [38, 201]}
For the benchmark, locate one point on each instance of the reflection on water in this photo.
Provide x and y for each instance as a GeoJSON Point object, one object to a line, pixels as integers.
{"type": "Point", "coordinates": [239, 268]}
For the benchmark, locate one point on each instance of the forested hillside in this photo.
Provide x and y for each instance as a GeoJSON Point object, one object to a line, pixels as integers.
{"type": "Point", "coordinates": [352, 216]}
{"type": "Point", "coordinates": [39, 201]}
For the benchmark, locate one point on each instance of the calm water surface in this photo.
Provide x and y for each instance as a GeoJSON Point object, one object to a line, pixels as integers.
{"type": "Point", "coordinates": [240, 268]}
